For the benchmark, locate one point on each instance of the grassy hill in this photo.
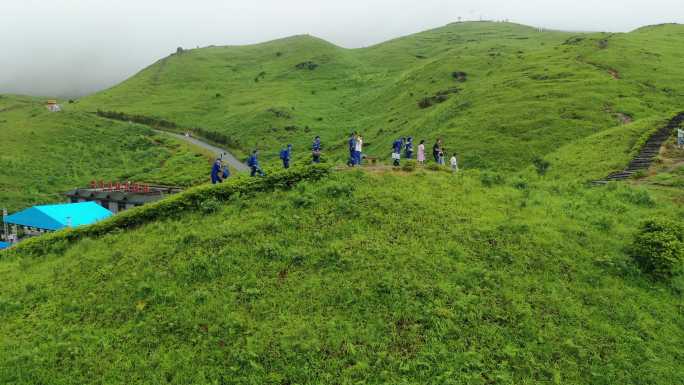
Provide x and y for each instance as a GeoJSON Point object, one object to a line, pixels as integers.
{"type": "Point", "coordinates": [526, 93]}
{"type": "Point", "coordinates": [360, 277]}
{"type": "Point", "coordinates": [44, 154]}
{"type": "Point", "coordinates": [505, 273]}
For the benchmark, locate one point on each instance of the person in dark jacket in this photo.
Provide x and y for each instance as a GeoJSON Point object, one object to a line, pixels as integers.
{"type": "Point", "coordinates": [352, 150]}
{"type": "Point", "coordinates": [396, 151]}
{"type": "Point", "coordinates": [253, 164]}
{"type": "Point", "coordinates": [286, 155]}
{"type": "Point", "coordinates": [216, 172]}
{"type": "Point", "coordinates": [409, 148]}
{"type": "Point", "coordinates": [316, 150]}
{"type": "Point", "coordinates": [437, 149]}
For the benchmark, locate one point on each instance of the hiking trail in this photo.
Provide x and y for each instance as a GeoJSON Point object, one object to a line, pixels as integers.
{"type": "Point", "coordinates": [219, 152]}
{"type": "Point", "coordinates": [647, 153]}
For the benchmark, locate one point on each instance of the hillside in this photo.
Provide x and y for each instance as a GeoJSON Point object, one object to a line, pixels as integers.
{"type": "Point", "coordinates": [526, 93]}
{"type": "Point", "coordinates": [44, 154]}
{"type": "Point", "coordinates": [475, 278]}
{"type": "Point", "coordinates": [513, 271]}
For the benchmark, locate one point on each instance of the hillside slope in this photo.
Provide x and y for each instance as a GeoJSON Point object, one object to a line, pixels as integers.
{"type": "Point", "coordinates": [44, 154]}
{"type": "Point", "coordinates": [399, 278]}
{"type": "Point", "coordinates": [526, 93]}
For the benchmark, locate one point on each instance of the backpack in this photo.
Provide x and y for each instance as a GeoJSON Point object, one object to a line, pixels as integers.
{"type": "Point", "coordinates": [283, 154]}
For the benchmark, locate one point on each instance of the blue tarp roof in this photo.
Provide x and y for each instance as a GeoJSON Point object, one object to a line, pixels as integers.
{"type": "Point", "coordinates": [56, 217]}
{"type": "Point", "coordinates": [4, 245]}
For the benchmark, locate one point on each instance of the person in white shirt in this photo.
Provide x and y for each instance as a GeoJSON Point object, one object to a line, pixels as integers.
{"type": "Point", "coordinates": [454, 163]}
{"type": "Point", "coordinates": [358, 150]}
{"type": "Point", "coordinates": [680, 137]}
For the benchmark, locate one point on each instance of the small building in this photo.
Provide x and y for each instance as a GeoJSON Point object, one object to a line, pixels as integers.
{"type": "Point", "coordinates": [52, 106]}
{"type": "Point", "coordinates": [118, 197]}
{"type": "Point", "coordinates": [40, 219]}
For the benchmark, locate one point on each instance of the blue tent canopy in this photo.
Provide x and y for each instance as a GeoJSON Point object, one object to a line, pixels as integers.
{"type": "Point", "coordinates": [57, 217]}
{"type": "Point", "coordinates": [4, 245]}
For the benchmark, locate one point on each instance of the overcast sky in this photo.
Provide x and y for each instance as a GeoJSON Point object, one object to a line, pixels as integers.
{"type": "Point", "coordinates": [74, 47]}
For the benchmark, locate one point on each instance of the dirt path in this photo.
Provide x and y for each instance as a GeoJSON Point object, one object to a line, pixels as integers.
{"type": "Point", "coordinates": [219, 152]}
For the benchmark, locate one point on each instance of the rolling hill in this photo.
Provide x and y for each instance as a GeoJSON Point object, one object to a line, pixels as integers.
{"type": "Point", "coordinates": [513, 271]}
{"type": "Point", "coordinates": [44, 154]}
{"type": "Point", "coordinates": [522, 94]}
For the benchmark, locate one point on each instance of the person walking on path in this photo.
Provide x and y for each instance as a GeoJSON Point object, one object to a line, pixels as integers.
{"type": "Point", "coordinates": [409, 148]}
{"type": "Point", "coordinates": [436, 149]}
{"type": "Point", "coordinates": [421, 152]}
{"type": "Point", "coordinates": [216, 172]}
{"type": "Point", "coordinates": [316, 150]}
{"type": "Point", "coordinates": [253, 164]}
{"type": "Point", "coordinates": [358, 149]}
{"type": "Point", "coordinates": [454, 163]}
{"type": "Point", "coordinates": [286, 155]}
{"type": "Point", "coordinates": [680, 138]}
{"type": "Point", "coordinates": [396, 151]}
{"type": "Point", "coordinates": [352, 149]}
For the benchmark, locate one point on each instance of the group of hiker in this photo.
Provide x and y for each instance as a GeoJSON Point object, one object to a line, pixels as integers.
{"type": "Point", "coordinates": [401, 145]}
{"type": "Point", "coordinates": [404, 145]}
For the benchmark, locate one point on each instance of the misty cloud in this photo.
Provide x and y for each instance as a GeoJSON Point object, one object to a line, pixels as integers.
{"type": "Point", "coordinates": [75, 47]}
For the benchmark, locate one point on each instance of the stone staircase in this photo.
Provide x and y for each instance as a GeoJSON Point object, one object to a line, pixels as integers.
{"type": "Point", "coordinates": [645, 157]}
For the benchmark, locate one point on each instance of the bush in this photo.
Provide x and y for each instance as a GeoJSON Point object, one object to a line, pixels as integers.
{"type": "Point", "coordinates": [490, 179]}
{"type": "Point", "coordinates": [541, 165]}
{"type": "Point", "coordinates": [189, 200]}
{"type": "Point", "coordinates": [409, 166]}
{"type": "Point", "coordinates": [210, 206]}
{"type": "Point", "coordinates": [658, 248]}
{"type": "Point", "coordinates": [307, 65]}
{"type": "Point", "coordinates": [425, 102]}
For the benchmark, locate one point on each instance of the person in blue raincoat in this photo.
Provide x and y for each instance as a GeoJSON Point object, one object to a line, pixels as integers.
{"type": "Point", "coordinates": [286, 155]}
{"type": "Point", "coordinates": [316, 150]}
{"type": "Point", "coordinates": [216, 172]}
{"type": "Point", "coordinates": [352, 150]}
{"type": "Point", "coordinates": [409, 148]}
{"type": "Point", "coordinates": [253, 163]}
{"type": "Point", "coordinates": [396, 150]}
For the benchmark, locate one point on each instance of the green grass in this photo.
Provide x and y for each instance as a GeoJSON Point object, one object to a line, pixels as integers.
{"type": "Point", "coordinates": [43, 154]}
{"type": "Point", "coordinates": [358, 278]}
{"type": "Point", "coordinates": [527, 93]}
{"type": "Point", "coordinates": [495, 275]}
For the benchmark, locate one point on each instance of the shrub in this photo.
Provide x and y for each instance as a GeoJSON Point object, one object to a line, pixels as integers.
{"type": "Point", "coordinates": [189, 200]}
{"type": "Point", "coordinates": [338, 190]}
{"type": "Point", "coordinates": [459, 76]}
{"type": "Point", "coordinates": [520, 184]}
{"type": "Point", "coordinates": [658, 248]}
{"type": "Point", "coordinates": [409, 166]}
{"type": "Point", "coordinates": [210, 205]}
{"type": "Point", "coordinates": [490, 179]}
{"type": "Point", "coordinates": [307, 65]}
{"type": "Point", "coordinates": [541, 165]}
{"type": "Point", "coordinates": [640, 197]}
{"type": "Point", "coordinates": [425, 102]}
{"type": "Point", "coordinates": [434, 167]}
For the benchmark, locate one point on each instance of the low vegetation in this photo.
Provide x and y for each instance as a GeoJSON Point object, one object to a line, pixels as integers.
{"type": "Point", "coordinates": [44, 154]}
{"type": "Point", "coordinates": [514, 270]}
{"type": "Point", "coordinates": [521, 94]}
{"type": "Point", "coordinates": [358, 277]}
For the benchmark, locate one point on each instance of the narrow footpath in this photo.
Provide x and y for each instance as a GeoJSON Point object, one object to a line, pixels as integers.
{"type": "Point", "coordinates": [219, 152]}
{"type": "Point", "coordinates": [647, 154]}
